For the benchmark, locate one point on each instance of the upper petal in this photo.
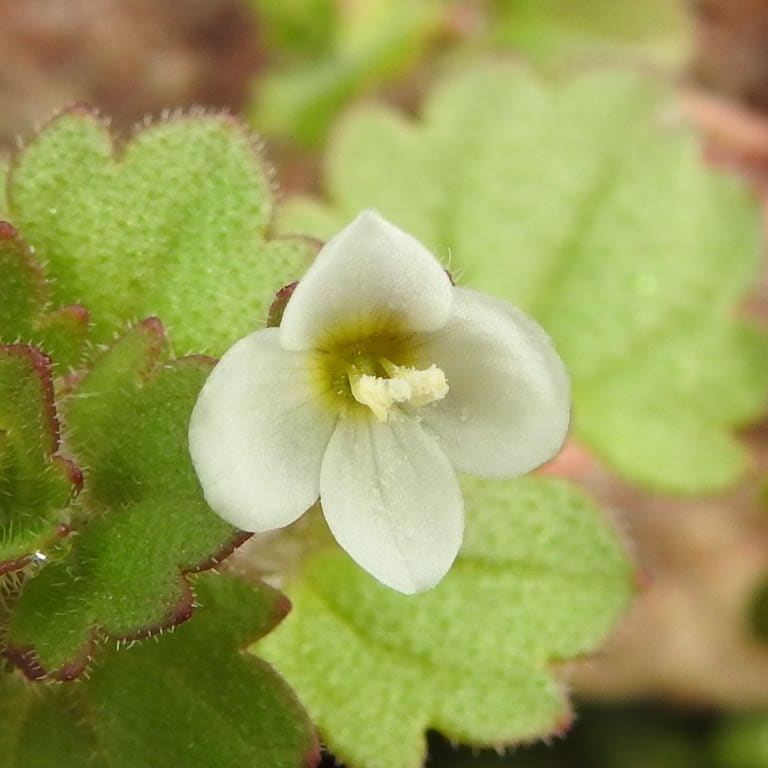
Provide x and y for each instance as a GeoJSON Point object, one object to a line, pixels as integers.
{"type": "Point", "coordinates": [508, 405]}
{"type": "Point", "coordinates": [370, 277]}
{"type": "Point", "coordinates": [258, 432]}
{"type": "Point", "coordinates": [392, 501]}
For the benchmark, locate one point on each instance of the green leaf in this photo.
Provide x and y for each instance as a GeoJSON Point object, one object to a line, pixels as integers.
{"type": "Point", "coordinates": [584, 204]}
{"type": "Point", "coordinates": [559, 29]}
{"type": "Point", "coordinates": [541, 578]}
{"type": "Point", "coordinates": [307, 214]}
{"type": "Point", "coordinates": [742, 742]}
{"type": "Point", "coordinates": [36, 483]}
{"type": "Point", "coordinates": [374, 42]}
{"type": "Point", "coordinates": [173, 225]}
{"type": "Point", "coordinates": [43, 728]}
{"type": "Point", "coordinates": [143, 521]}
{"type": "Point", "coordinates": [618, 735]}
{"type": "Point", "coordinates": [25, 313]}
{"type": "Point", "coordinates": [191, 699]}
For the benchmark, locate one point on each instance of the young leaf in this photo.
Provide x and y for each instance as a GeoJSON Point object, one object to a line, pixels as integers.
{"type": "Point", "coordinates": [174, 225]}
{"type": "Point", "coordinates": [36, 483]}
{"type": "Point", "coordinates": [143, 521]}
{"type": "Point", "coordinates": [191, 699]}
{"type": "Point", "coordinates": [579, 202]}
{"type": "Point", "coordinates": [541, 579]}
{"type": "Point", "coordinates": [25, 315]}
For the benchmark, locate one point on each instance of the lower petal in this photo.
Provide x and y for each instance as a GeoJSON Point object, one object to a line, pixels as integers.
{"type": "Point", "coordinates": [258, 432]}
{"type": "Point", "coordinates": [392, 501]}
{"type": "Point", "coordinates": [508, 403]}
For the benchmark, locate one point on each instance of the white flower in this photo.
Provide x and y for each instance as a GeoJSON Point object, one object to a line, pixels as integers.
{"type": "Point", "coordinates": [382, 378]}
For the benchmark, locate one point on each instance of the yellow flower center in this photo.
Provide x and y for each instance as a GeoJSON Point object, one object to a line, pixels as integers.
{"type": "Point", "coordinates": [376, 373]}
{"type": "Point", "coordinates": [404, 385]}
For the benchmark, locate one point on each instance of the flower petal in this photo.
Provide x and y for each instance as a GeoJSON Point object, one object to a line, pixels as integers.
{"type": "Point", "coordinates": [508, 404]}
{"type": "Point", "coordinates": [368, 278]}
{"type": "Point", "coordinates": [258, 432]}
{"type": "Point", "coordinates": [392, 501]}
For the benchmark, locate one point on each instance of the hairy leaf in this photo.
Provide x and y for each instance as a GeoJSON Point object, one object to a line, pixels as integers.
{"type": "Point", "coordinates": [191, 699]}
{"type": "Point", "coordinates": [25, 312]}
{"type": "Point", "coordinates": [583, 203]}
{"type": "Point", "coordinates": [173, 225]}
{"type": "Point", "coordinates": [142, 522]}
{"type": "Point", "coordinates": [541, 578]}
{"type": "Point", "coordinates": [36, 483]}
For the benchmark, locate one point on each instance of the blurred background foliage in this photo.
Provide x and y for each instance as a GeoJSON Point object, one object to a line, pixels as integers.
{"type": "Point", "coordinates": [685, 680]}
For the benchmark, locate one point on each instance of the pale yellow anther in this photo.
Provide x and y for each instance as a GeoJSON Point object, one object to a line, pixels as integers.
{"type": "Point", "coordinates": [405, 385]}
{"type": "Point", "coordinates": [426, 385]}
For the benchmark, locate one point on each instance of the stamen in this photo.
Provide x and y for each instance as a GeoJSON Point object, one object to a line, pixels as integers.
{"type": "Point", "coordinates": [426, 385]}
{"type": "Point", "coordinates": [405, 385]}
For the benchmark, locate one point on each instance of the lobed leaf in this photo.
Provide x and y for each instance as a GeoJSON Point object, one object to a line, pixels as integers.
{"type": "Point", "coordinates": [142, 523]}
{"type": "Point", "coordinates": [616, 735]}
{"type": "Point", "coordinates": [192, 699]}
{"type": "Point", "coordinates": [174, 225]}
{"type": "Point", "coordinates": [36, 483]}
{"type": "Point", "coordinates": [582, 203]}
{"type": "Point", "coordinates": [25, 305]}
{"type": "Point", "coordinates": [541, 578]}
